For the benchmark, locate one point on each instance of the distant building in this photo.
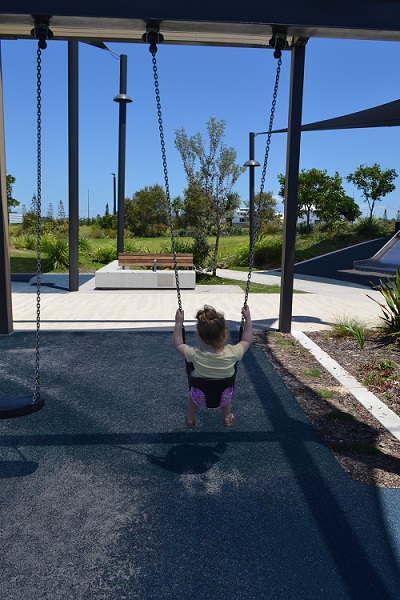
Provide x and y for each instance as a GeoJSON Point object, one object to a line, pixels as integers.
{"type": "Point", "coordinates": [15, 218]}
{"type": "Point", "coordinates": [241, 217]}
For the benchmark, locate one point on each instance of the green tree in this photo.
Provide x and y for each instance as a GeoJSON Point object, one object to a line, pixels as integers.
{"type": "Point", "coordinates": [146, 215]}
{"type": "Point", "coordinates": [50, 212]}
{"type": "Point", "coordinates": [323, 194]}
{"type": "Point", "coordinates": [61, 211]}
{"type": "Point", "coordinates": [34, 205]}
{"type": "Point", "coordinates": [197, 212]}
{"type": "Point", "coordinates": [374, 183]}
{"type": "Point", "coordinates": [11, 202]}
{"type": "Point", "coordinates": [178, 206]}
{"type": "Point", "coordinates": [334, 204]}
{"type": "Point", "coordinates": [212, 171]}
{"type": "Point", "coordinates": [267, 210]}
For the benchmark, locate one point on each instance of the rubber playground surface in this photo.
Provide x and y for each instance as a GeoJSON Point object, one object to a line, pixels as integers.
{"type": "Point", "coordinates": [104, 493]}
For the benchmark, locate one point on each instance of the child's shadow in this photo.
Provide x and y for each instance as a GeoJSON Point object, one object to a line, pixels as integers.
{"type": "Point", "coordinates": [189, 458]}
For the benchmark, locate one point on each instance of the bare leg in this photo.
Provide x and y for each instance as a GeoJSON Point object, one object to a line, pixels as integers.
{"type": "Point", "coordinates": [226, 410]}
{"type": "Point", "coordinates": [191, 413]}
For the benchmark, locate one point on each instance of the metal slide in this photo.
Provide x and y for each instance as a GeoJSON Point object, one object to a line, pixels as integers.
{"type": "Point", "coordinates": [386, 260]}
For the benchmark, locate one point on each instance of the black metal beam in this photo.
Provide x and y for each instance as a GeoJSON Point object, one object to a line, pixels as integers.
{"type": "Point", "coordinates": [291, 187]}
{"type": "Point", "coordinates": [207, 22]}
{"type": "Point", "coordinates": [73, 166]}
{"type": "Point", "coordinates": [6, 320]}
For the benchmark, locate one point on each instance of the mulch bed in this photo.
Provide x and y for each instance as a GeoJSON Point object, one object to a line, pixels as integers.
{"type": "Point", "coordinates": [362, 446]}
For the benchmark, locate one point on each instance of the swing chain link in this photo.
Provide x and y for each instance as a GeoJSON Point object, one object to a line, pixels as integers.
{"type": "Point", "coordinates": [262, 184]}
{"type": "Point", "coordinates": [36, 393]}
{"type": "Point", "coordinates": [153, 50]}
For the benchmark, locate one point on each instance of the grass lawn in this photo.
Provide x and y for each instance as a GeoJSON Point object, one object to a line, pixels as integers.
{"type": "Point", "coordinates": [255, 288]}
{"type": "Point", "coordinates": [24, 261]}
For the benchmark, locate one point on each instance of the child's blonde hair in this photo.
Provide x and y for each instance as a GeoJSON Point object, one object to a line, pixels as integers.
{"type": "Point", "coordinates": [211, 326]}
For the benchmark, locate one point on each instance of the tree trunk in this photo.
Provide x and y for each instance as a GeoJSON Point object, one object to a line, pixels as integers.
{"type": "Point", "coordinates": [308, 222]}
{"type": "Point", "coordinates": [371, 210]}
{"type": "Point", "coordinates": [218, 233]}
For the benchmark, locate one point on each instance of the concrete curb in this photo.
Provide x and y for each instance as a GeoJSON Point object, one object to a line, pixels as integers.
{"type": "Point", "coordinates": [375, 407]}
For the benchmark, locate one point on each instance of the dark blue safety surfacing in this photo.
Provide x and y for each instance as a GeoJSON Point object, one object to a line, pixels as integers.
{"type": "Point", "coordinates": [105, 494]}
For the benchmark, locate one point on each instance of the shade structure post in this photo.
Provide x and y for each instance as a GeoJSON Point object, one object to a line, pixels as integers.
{"type": "Point", "coordinates": [291, 186]}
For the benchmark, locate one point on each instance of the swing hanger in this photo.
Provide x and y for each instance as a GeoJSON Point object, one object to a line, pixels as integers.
{"type": "Point", "coordinates": [42, 31]}
{"type": "Point", "coordinates": [279, 42]}
{"type": "Point", "coordinates": [153, 35]}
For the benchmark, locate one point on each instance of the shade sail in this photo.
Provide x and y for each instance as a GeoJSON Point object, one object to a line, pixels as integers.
{"type": "Point", "coordinates": [384, 115]}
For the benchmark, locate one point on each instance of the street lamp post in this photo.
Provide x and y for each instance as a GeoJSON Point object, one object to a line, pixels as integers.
{"type": "Point", "coordinates": [123, 99]}
{"type": "Point", "coordinates": [114, 195]}
{"type": "Point", "coordinates": [251, 163]}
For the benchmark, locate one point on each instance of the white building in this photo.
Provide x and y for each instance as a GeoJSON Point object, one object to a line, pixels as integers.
{"type": "Point", "coordinates": [15, 218]}
{"type": "Point", "coordinates": [241, 217]}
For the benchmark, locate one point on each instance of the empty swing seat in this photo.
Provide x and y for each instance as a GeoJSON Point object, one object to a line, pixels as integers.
{"type": "Point", "coordinates": [12, 407]}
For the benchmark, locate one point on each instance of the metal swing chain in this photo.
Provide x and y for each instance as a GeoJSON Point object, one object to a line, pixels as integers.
{"type": "Point", "coordinates": [153, 50]}
{"type": "Point", "coordinates": [36, 393]}
{"type": "Point", "coordinates": [264, 171]}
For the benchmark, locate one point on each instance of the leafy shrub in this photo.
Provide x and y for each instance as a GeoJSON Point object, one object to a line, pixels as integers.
{"type": "Point", "coordinates": [302, 228]}
{"type": "Point", "coordinates": [373, 227]}
{"type": "Point", "coordinates": [47, 242]}
{"type": "Point", "coordinates": [130, 246]}
{"type": "Point", "coordinates": [335, 228]}
{"type": "Point", "coordinates": [58, 253]}
{"type": "Point", "coordinates": [25, 241]}
{"type": "Point", "coordinates": [342, 327]}
{"type": "Point", "coordinates": [106, 254]}
{"type": "Point", "coordinates": [180, 246]}
{"type": "Point", "coordinates": [84, 245]}
{"type": "Point", "coordinates": [267, 251]}
{"type": "Point", "coordinates": [29, 221]}
{"type": "Point", "coordinates": [390, 290]}
{"type": "Point", "coordinates": [97, 233]}
{"type": "Point", "coordinates": [357, 331]}
{"type": "Point", "coordinates": [107, 222]}
{"type": "Point", "coordinates": [201, 249]}
{"type": "Point", "coordinates": [234, 230]}
{"type": "Point", "coordinates": [272, 227]}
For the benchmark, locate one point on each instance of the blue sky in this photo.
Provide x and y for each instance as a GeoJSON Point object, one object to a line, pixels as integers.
{"type": "Point", "coordinates": [233, 84]}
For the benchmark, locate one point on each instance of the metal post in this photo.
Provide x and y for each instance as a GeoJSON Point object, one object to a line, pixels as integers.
{"type": "Point", "coordinates": [6, 319]}
{"type": "Point", "coordinates": [291, 187]}
{"type": "Point", "coordinates": [73, 166]}
{"type": "Point", "coordinates": [114, 195]}
{"type": "Point", "coordinates": [122, 99]}
{"type": "Point", "coordinates": [251, 178]}
{"type": "Point", "coordinates": [251, 163]}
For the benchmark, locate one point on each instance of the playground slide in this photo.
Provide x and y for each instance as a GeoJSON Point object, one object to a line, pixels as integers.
{"type": "Point", "coordinates": [386, 260]}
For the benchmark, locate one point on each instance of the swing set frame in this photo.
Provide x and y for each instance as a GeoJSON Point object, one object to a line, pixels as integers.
{"type": "Point", "coordinates": [224, 24]}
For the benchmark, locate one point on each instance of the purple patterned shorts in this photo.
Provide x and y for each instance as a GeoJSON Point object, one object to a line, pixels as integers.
{"type": "Point", "coordinates": [199, 398]}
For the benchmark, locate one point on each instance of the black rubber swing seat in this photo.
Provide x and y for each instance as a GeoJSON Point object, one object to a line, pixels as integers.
{"type": "Point", "coordinates": [12, 407]}
{"type": "Point", "coordinates": [211, 388]}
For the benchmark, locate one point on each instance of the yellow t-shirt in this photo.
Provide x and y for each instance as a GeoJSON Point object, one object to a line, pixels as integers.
{"type": "Point", "coordinates": [214, 366]}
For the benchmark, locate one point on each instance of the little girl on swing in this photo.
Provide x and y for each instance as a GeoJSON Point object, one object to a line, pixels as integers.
{"type": "Point", "coordinates": [216, 360]}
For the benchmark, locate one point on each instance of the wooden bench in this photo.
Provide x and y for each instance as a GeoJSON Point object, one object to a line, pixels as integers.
{"type": "Point", "coordinates": [127, 259]}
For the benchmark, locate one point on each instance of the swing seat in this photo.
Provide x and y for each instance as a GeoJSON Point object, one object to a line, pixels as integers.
{"type": "Point", "coordinates": [12, 407]}
{"type": "Point", "coordinates": [211, 388]}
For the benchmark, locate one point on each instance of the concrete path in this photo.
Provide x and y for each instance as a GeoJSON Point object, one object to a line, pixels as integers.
{"type": "Point", "coordinates": [324, 301]}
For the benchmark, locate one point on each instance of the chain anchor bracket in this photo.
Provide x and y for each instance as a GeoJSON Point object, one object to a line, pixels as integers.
{"type": "Point", "coordinates": [42, 31]}
{"type": "Point", "coordinates": [153, 35]}
{"type": "Point", "coordinates": [279, 42]}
